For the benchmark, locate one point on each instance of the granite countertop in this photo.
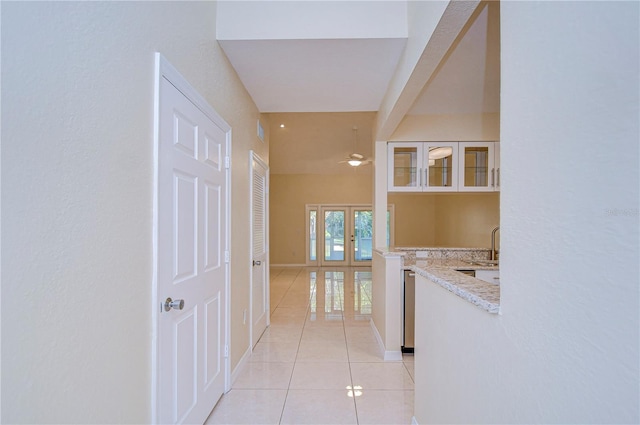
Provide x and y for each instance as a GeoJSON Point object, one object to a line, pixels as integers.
{"type": "Point", "coordinates": [443, 272]}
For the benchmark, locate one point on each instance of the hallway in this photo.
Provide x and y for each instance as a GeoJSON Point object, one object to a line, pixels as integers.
{"type": "Point", "coordinates": [319, 362]}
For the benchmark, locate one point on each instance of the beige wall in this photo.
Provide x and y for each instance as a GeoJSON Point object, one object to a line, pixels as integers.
{"type": "Point", "coordinates": [77, 198]}
{"type": "Point", "coordinates": [448, 220]}
{"type": "Point", "coordinates": [415, 214]}
{"type": "Point", "coordinates": [466, 219]}
{"type": "Point", "coordinates": [448, 128]}
{"type": "Point", "coordinates": [288, 195]}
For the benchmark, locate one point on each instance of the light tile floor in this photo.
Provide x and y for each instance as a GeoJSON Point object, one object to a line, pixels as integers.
{"type": "Point", "coordinates": [319, 362]}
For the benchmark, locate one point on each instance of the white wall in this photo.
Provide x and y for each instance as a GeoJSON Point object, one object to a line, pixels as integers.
{"type": "Point", "coordinates": [566, 347]}
{"type": "Point", "coordinates": [77, 142]}
{"type": "Point", "coordinates": [387, 302]}
{"type": "Point", "coordinates": [433, 27]}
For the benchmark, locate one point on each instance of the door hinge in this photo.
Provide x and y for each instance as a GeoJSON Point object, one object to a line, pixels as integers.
{"type": "Point", "coordinates": [226, 256]}
{"type": "Point", "coordinates": [227, 162]}
{"type": "Point", "coordinates": [226, 351]}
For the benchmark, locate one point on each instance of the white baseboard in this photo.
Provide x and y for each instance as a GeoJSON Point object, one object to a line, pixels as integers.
{"type": "Point", "coordinates": [389, 356]}
{"type": "Point", "coordinates": [377, 334]}
{"type": "Point", "coordinates": [240, 367]}
{"type": "Point", "coordinates": [393, 356]}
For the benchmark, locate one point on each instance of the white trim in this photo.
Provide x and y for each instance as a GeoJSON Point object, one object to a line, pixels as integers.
{"type": "Point", "coordinates": [393, 356]}
{"type": "Point", "coordinates": [164, 69]}
{"type": "Point", "coordinates": [380, 198]}
{"type": "Point", "coordinates": [179, 82]}
{"type": "Point", "coordinates": [291, 265]}
{"type": "Point", "coordinates": [391, 208]}
{"type": "Point", "coordinates": [227, 285]}
{"type": "Point", "coordinates": [389, 356]}
{"type": "Point", "coordinates": [155, 348]}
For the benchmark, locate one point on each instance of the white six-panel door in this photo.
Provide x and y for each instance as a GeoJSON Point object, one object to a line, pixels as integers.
{"type": "Point", "coordinates": [192, 243]}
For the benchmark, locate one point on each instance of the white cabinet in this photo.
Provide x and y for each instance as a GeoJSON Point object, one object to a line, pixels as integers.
{"type": "Point", "coordinates": [496, 165]}
{"type": "Point", "coordinates": [479, 166]}
{"type": "Point", "coordinates": [491, 276]}
{"type": "Point", "coordinates": [444, 167]}
{"type": "Point", "coordinates": [423, 167]}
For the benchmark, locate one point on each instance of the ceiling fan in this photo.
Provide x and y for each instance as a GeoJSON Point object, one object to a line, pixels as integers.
{"type": "Point", "coordinates": [356, 159]}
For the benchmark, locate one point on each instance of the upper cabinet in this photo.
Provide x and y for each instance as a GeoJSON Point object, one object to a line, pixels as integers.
{"type": "Point", "coordinates": [423, 167]}
{"type": "Point", "coordinates": [444, 167]}
{"type": "Point", "coordinates": [479, 166]}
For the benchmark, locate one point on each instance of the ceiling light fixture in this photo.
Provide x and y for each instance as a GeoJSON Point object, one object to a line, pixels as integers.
{"type": "Point", "coordinates": [355, 159]}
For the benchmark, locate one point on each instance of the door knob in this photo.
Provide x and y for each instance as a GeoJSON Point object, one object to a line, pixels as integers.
{"type": "Point", "coordinates": [169, 304]}
{"type": "Point", "coordinates": [257, 262]}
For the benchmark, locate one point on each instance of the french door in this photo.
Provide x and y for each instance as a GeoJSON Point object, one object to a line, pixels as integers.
{"type": "Point", "coordinates": [346, 235]}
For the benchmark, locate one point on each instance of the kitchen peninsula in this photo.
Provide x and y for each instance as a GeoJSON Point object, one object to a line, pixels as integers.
{"type": "Point", "coordinates": [439, 266]}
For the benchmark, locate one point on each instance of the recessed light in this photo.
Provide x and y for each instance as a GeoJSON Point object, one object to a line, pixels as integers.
{"type": "Point", "coordinates": [281, 125]}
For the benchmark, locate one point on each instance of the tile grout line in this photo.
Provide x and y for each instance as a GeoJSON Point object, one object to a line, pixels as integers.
{"type": "Point", "coordinates": [353, 389]}
{"type": "Point", "coordinates": [295, 360]}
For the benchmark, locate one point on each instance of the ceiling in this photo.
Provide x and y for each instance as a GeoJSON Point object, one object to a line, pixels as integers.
{"type": "Point", "coordinates": [313, 56]}
{"type": "Point", "coordinates": [315, 75]}
{"type": "Point", "coordinates": [319, 143]}
{"type": "Point", "coordinates": [341, 75]}
{"type": "Point", "coordinates": [468, 80]}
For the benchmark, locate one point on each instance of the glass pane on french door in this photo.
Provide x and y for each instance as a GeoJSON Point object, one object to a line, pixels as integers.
{"type": "Point", "coordinates": [362, 233]}
{"type": "Point", "coordinates": [313, 214]}
{"type": "Point", "coordinates": [334, 240]}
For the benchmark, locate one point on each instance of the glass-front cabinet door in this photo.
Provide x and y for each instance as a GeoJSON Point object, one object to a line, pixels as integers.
{"type": "Point", "coordinates": [441, 168]}
{"type": "Point", "coordinates": [405, 165]}
{"type": "Point", "coordinates": [478, 172]}
{"type": "Point", "coordinates": [423, 167]}
{"type": "Point", "coordinates": [444, 167]}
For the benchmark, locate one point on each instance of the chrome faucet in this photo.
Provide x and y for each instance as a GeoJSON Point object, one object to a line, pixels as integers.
{"type": "Point", "coordinates": [493, 243]}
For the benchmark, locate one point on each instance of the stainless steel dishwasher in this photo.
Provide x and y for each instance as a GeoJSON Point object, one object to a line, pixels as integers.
{"type": "Point", "coordinates": [409, 311]}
